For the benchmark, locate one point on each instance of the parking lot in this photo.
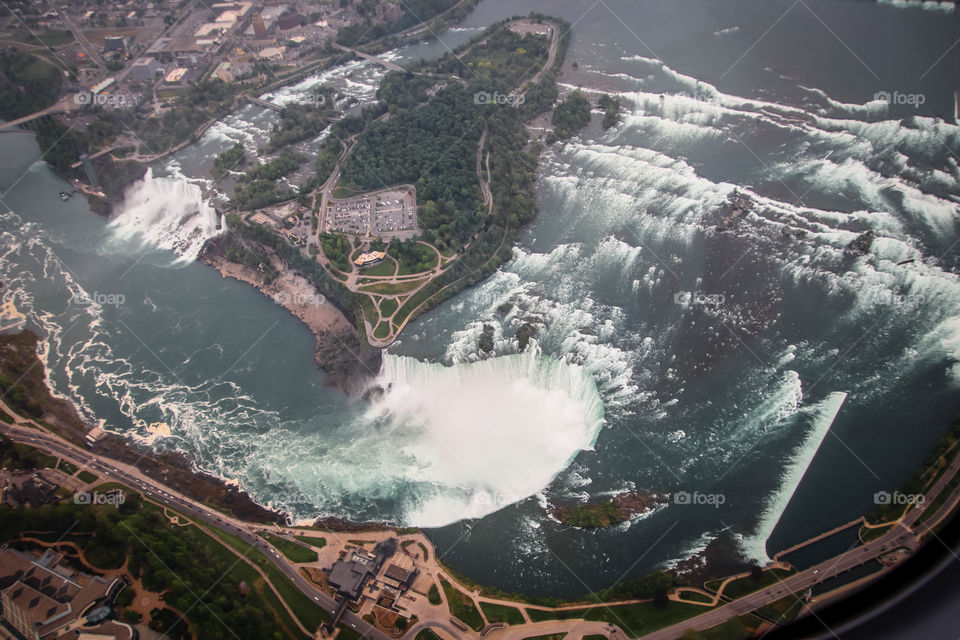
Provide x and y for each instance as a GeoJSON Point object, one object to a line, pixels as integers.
{"type": "Point", "coordinates": [391, 212]}
{"type": "Point", "coordinates": [349, 216]}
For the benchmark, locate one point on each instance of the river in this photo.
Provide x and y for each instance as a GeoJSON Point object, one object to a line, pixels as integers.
{"type": "Point", "coordinates": [760, 369]}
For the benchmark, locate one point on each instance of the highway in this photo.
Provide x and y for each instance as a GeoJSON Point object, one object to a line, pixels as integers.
{"type": "Point", "coordinates": [903, 534]}
{"type": "Point", "coordinates": [133, 478]}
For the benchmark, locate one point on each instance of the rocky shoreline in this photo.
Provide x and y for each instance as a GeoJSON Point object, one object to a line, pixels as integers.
{"type": "Point", "coordinates": [349, 364]}
{"type": "Point", "coordinates": [31, 396]}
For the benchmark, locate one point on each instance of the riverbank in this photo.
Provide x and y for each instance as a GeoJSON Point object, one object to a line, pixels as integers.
{"type": "Point", "coordinates": [348, 364]}
{"type": "Point", "coordinates": [24, 387]}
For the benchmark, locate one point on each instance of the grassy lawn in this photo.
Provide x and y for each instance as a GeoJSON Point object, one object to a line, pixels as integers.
{"type": "Point", "coordinates": [97, 36]}
{"type": "Point", "coordinates": [386, 268]}
{"type": "Point", "coordinates": [461, 606]}
{"type": "Point", "coordinates": [369, 312]}
{"type": "Point", "coordinates": [43, 460]}
{"type": "Point", "coordinates": [694, 596]}
{"type": "Point", "coordinates": [427, 634]}
{"type": "Point", "coordinates": [171, 93]}
{"type": "Point", "coordinates": [309, 613]}
{"type": "Point", "coordinates": [406, 269]}
{"type": "Point", "coordinates": [634, 619]}
{"type": "Point", "coordinates": [34, 457]}
{"type": "Point", "coordinates": [340, 192]}
{"type": "Point", "coordinates": [434, 595]}
{"type": "Point", "coordinates": [110, 486]}
{"type": "Point", "coordinates": [733, 629]}
{"type": "Point", "coordinates": [67, 468]}
{"type": "Point", "coordinates": [931, 509]}
{"type": "Point", "coordinates": [382, 330]}
{"type": "Point", "coordinates": [387, 307]}
{"type": "Point", "coordinates": [293, 551]}
{"type": "Point", "coordinates": [549, 636]}
{"type": "Point", "coordinates": [783, 610]}
{"type": "Point", "coordinates": [319, 543]}
{"type": "Point", "coordinates": [6, 417]}
{"type": "Point", "coordinates": [50, 38]}
{"type": "Point", "coordinates": [346, 633]}
{"type": "Point", "coordinates": [390, 288]}
{"type": "Point", "coordinates": [87, 477]}
{"type": "Point", "coordinates": [743, 586]}
{"type": "Point", "coordinates": [501, 613]}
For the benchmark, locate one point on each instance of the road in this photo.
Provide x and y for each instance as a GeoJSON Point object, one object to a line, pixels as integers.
{"type": "Point", "coordinates": [551, 58]}
{"type": "Point", "coordinates": [88, 47]}
{"type": "Point", "coordinates": [133, 478]}
{"type": "Point", "coordinates": [902, 535]}
{"type": "Point", "coordinates": [63, 105]}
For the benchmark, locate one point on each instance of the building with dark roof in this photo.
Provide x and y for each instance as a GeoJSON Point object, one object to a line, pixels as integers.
{"type": "Point", "coordinates": [348, 577]}
{"type": "Point", "coordinates": [288, 20]}
{"type": "Point", "coordinates": [115, 43]}
{"type": "Point", "coordinates": [400, 571]}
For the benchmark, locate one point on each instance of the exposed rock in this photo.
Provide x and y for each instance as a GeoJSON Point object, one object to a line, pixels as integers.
{"type": "Point", "coordinates": [860, 246]}
{"type": "Point", "coordinates": [609, 512]}
{"type": "Point", "coordinates": [331, 523]}
{"type": "Point", "coordinates": [524, 333]}
{"type": "Point", "coordinates": [737, 205]}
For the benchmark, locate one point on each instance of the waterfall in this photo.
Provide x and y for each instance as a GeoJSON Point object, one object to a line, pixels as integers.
{"type": "Point", "coordinates": [167, 213]}
{"type": "Point", "coordinates": [479, 436]}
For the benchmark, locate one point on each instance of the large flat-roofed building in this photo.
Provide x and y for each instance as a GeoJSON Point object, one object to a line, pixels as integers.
{"type": "Point", "coordinates": [349, 576]}
{"type": "Point", "coordinates": [145, 69]}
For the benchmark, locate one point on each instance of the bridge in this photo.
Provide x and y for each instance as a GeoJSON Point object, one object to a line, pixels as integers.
{"type": "Point", "coordinates": [264, 103]}
{"type": "Point", "coordinates": [64, 105]}
{"type": "Point", "coordinates": [367, 56]}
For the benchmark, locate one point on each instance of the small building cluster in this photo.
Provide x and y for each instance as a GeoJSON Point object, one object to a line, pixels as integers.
{"type": "Point", "coordinates": [29, 489]}
{"type": "Point", "coordinates": [382, 575]}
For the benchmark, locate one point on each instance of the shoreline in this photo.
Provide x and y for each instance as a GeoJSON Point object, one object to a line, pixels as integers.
{"type": "Point", "coordinates": [348, 364]}
{"type": "Point", "coordinates": [61, 418]}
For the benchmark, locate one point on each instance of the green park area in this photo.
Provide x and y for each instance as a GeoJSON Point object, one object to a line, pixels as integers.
{"type": "Point", "coordinates": [462, 606]}
{"type": "Point", "coordinates": [293, 551]}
